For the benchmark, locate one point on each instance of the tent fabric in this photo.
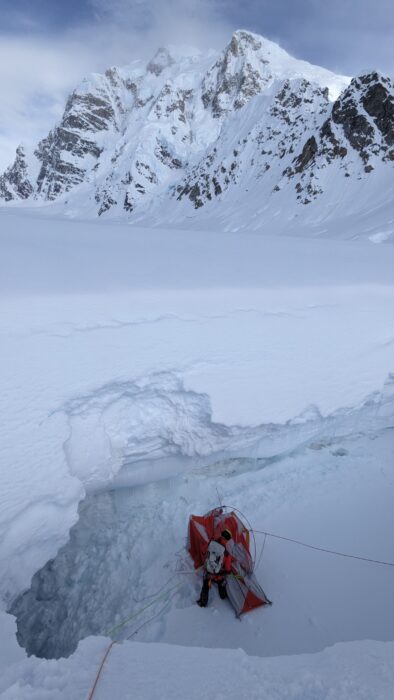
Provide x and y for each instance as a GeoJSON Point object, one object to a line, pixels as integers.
{"type": "Point", "coordinates": [244, 591]}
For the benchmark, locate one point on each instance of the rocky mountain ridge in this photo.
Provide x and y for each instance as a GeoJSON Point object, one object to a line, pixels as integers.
{"type": "Point", "coordinates": [196, 132]}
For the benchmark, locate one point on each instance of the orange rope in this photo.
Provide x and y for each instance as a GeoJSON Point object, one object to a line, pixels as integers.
{"type": "Point", "coordinates": [105, 657]}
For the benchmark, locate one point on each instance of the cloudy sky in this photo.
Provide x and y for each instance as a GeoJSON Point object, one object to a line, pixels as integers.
{"type": "Point", "coordinates": [46, 46]}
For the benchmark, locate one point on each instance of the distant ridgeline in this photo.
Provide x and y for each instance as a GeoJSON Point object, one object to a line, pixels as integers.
{"type": "Point", "coordinates": [250, 127]}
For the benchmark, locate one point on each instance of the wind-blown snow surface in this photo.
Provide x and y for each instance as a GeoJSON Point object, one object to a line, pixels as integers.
{"type": "Point", "coordinates": [169, 361]}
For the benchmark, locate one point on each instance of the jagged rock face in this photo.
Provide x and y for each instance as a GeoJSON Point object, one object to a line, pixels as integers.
{"type": "Point", "coordinates": [185, 133]}
{"type": "Point", "coordinates": [378, 102]}
{"type": "Point", "coordinates": [236, 76]}
{"type": "Point", "coordinates": [57, 174]}
{"type": "Point", "coordinates": [15, 182]}
{"type": "Point", "coordinates": [364, 114]}
{"type": "Point", "coordinates": [73, 146]}
{"type": "Point", "coordinates": [358, 132]}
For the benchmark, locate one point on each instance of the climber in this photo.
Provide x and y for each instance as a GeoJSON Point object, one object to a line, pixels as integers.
{"type": "Point", "coordinates": [216, 567]}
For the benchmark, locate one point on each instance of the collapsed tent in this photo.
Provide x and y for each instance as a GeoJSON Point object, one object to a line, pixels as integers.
{"type": "Point", "coordinates": [243, 589]}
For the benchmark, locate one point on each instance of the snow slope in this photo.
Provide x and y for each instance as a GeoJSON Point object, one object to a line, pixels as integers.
{"type": "Point", "coordinates": [360, 671]}
{"type": "Point", "coordinates": [146, 368]}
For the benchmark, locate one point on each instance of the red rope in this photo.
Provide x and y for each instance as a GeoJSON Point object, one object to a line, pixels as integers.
{"type": "Point", "coordinates": [105, 657]}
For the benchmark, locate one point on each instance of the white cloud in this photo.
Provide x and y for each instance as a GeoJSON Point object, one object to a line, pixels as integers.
{"type": "Point", "coordinates": [35, 76]}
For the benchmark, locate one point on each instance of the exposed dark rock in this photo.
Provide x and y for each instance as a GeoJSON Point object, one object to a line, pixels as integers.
{"type": "Point", "coordinates": [87, 113]}
{"type": "Point", "coordinates": [58, 175]}
{"type": "Point", "coordinates": [106, 203]}
{"type": "Point", "coordinates": [331, 145]}
{"type": "Point", "coordinates": [217, 187]}
{"type": "Point", "coordinates": [241, 41]}
{"type": "Point", "coordinates": [165, 156]}
{"type": "Point", "coordinates": [307, 155]}
{"type": "Point", "coordinates": [128, 179]}
{"type": "Point", "coordinates": [146, 172]}
{"type": "Point", "coordinates": [63, 153]}
{"type": "Point", "coordinates": [378, 102]}
{"type": "Point", "coordinates": [15, 182]}
{"type": "Point", "coordinates": [228, 85]}
{"type": "Point", "coordinates": [361, 119]}
{"type": "Point", "coordinates": [371, 94]}
{"type": "Point", "coordinates": [356, 127]}
{"type": "Point", "coordinates": [195, 196]}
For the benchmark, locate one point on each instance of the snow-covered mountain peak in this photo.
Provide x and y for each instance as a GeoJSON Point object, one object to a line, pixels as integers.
{"type": "Point", "coordinates": [243, 40]}
{"type": "Point", "coordinates": [274, 63]}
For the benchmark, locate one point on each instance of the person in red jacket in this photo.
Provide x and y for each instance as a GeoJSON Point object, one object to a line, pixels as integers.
{"type": "Point", "coordinates": [217, 566]}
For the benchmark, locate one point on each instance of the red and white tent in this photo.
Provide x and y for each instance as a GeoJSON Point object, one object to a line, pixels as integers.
{"type": "Point", "coordinates": [243, 589]}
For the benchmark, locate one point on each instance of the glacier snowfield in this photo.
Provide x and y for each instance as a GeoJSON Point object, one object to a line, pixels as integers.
{"type": "Point", "coordinates": [146, 371]}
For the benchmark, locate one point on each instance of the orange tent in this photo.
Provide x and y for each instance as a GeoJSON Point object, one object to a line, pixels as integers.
{"type": "Point", "coordinates": [243, 589]}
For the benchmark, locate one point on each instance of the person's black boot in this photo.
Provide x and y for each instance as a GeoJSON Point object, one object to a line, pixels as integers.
{"type": "Point", "coordinates": [203, 599]}
{"type": "Point", "coordinates": [222, 589]}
